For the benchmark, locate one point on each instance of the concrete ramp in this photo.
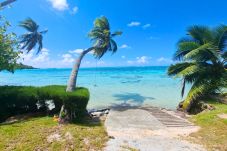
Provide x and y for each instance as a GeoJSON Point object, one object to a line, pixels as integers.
{"type": "Point", "coordinates": [148, 129]}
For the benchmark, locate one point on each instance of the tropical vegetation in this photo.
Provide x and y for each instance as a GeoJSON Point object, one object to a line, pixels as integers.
{"type": "Point", "coordinates": [43, 133]}
{"type": "Point", "coordinates": [8, 43]}
{"type": "Point", "coordinates": [213, 128]}
{"type": "Point", "coordinates": [16, 100]}
{"type": "Point", "coordinates": [201, 62]}
{"type": "Point", "coordinates": [33, 37]}
{"type": "Point", "coordinates": [6, 3]}
{"type": "Point", "coordinates": [103, 42]}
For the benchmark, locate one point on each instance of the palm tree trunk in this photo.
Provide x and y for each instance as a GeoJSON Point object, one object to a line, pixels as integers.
{"type": "Point", "coordinates": [73, 77]}
{"type": "Point", "coordinates": [5, 3]}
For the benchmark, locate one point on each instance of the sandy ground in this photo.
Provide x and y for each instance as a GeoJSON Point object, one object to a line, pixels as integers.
{"type": "Point", "coordinates": [137, 129]}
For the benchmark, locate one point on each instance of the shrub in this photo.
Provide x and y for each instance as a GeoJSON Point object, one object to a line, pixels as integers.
{"type": "Point", "coordinates": [16, 100]}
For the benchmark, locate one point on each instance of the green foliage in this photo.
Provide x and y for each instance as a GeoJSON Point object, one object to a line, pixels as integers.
{"type": "Point", "coordinates": [33, 37]}
{"type": "Point", "coordinates": [22, 66]}
{"type": "Point", "coordinates": [213, 128]}
{"type": "Point", "coordinates": [102, 37]}
{"type": "Point", "coordinates": [8, 42]}
{"type": "Point", "coordinates": [202, 62]}
{"type": "Point", "coordinates": [25, 99]}
{"type": "Point", "coordinates": [31, 133]}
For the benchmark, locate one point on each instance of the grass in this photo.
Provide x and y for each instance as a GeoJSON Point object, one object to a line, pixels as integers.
{"type": "Point", "coordinates": [33, 134]}
{"type": "Point", "coordinates": [213, 132]}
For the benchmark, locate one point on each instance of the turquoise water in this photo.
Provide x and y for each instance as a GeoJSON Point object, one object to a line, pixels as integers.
{"type": "Point", "coordinates": [109, 86]}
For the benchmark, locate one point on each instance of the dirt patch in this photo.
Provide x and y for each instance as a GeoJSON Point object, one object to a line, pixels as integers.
{"type": "Point", "coordinates": [222, 116]}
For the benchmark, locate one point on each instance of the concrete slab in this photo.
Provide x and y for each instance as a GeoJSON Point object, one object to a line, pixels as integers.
{"type": "Point", "coordinates": [138, 129]}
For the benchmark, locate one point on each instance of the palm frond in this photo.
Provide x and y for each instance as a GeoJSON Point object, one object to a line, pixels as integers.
{"type": "Point", "coordinates": [113, 46]}
{"type": "Point", "coordinates": [202, 34]}
{"type": "Point", "coordinates": [40, 42]}
{"type": "Point", "coordinates": [29, 25]}
{"type": "Point", "coordinates": [220, 37]}
{"type": "Point", "coordinates": [184, 48]}
{"type": "Point", "coordinates": [117, 33]}
{"type": "Point", "coordinates": [102, 23]}
{"type": "Point", "coordinates": [102, 37]}
{"type": "Point", "coordinates": [203, 53]}
{"type": "Point", "coordinates": [33, 37]}
{"type": "Point", "coordinates": [173, 70]}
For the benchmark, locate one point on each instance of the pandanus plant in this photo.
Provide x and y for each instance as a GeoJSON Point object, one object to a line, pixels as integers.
{"type": "Point", "coordinates": [202, 62]}
{"type": "Point", "coordinates": [103, 42]}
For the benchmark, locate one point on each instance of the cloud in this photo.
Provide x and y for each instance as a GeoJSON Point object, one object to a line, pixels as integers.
{"type": "Point", "coordinates": [139, 60]}
{"type": "Point", "coordinates": [67, 58]}
{"type": "Point", "coordinates": [59, 5]}
{"type": "Point", "coordinates": [124, 46]}
{"type": "Point", "coordinates": [134, 23]}
{"type": "Point", "coordinates": [146, 26]}
{"type": "Point", "coordinates": [164, 60]}
{"type": "Point", "coordinates": [142, 60]}
{"type": "Point", "coordinates": [75, 10]}
{"type": "Point", "coordinates": [79, 51]}
{"type": "Point", "coordinates": [35, 60]}
{"type": "Point", "coordinates": [123, 57]}
{"type": "Point", "coordinates": [43, 56]}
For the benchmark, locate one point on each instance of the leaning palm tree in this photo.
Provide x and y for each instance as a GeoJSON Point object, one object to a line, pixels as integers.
{"type": "Point", "coordinates": [202, 62]}
{"type": "Point", "coordinates": [33, 37]}
{"type": "Point", "coordinates": [103, 42]}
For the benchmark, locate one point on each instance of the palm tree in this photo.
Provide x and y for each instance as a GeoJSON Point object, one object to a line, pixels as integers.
{"type": "Point", "coordinates": [6, 2]}
{"type": "Point", "coordinates": [103, 42]}
{"type": "Point", "coordinates": [33, 37]}
{"type": "Point", "coordinates": [202, 62]}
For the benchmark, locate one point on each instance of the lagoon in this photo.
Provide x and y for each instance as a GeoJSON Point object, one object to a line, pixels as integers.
{"type": "Point", "coordinates": [109, 86]}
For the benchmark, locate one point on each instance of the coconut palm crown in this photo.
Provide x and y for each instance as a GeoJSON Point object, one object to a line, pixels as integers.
{"type": "Point", "coordinates": [202, 62]}
{"type": "Point", "coordinates": [103, 42]}
{"type": "Point", "coordinates": [33, 37]}
{"type": "Point", "coordinates": [102, 37]}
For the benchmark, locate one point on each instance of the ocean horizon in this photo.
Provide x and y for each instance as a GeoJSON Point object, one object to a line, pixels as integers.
{"type": "Point", "coordinates": [108, 86]}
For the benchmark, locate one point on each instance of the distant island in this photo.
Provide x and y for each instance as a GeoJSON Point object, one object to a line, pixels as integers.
{"type": "Point", "coordinates": [22, 66]}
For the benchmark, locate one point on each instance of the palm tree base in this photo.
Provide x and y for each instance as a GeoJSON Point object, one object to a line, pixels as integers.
{"type": "Point", "coordinates": [195, 108]}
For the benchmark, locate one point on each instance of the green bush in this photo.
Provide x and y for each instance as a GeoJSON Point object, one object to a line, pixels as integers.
{"type": "Point", "coordinates": [16, 100]}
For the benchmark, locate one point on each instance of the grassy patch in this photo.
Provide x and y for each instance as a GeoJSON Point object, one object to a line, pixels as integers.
{"type": "Point", "coordinates": [36, 134]}
{"type": "Point", "coordinates": [213, 132]}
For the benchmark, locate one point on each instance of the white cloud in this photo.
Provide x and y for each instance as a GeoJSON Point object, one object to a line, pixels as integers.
{"type": "Point", "coordinates": [43, 56]}
{"type": "Point", "coordinates": [101, 62]}
{"type": "Point", "coordinates": [139, 60]}
{"type": "Point", "coordinates": [134, 23]}
{"type": "Point", "coordinates": [67, 58]}
{"type": "Point", "coordinates": [35, 60]}
{"type": "Point", "coordinates": [75, 10]}
{"type": "Point", "coordinates": [60, 5]}
{"type": "Point", "coordinates": [123, 57]}
{"type": "Point", "coordinates": [146, 26]}
{"type": "Point", "coordinates": [124, 46]}
{"type": "Point", "coordinates": [79, 51]}
{"type": "Point", "coordinates": [142, 60]}
{"type": "Point", "coordinates": [164, 60]}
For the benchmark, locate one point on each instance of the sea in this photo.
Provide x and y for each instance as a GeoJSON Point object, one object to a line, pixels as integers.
{"type": "Point", "coordinates": [109, 86]}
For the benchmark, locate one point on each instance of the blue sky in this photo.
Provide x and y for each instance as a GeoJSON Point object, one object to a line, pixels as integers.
{"type": "Point", "coordinates": [151, 28]}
